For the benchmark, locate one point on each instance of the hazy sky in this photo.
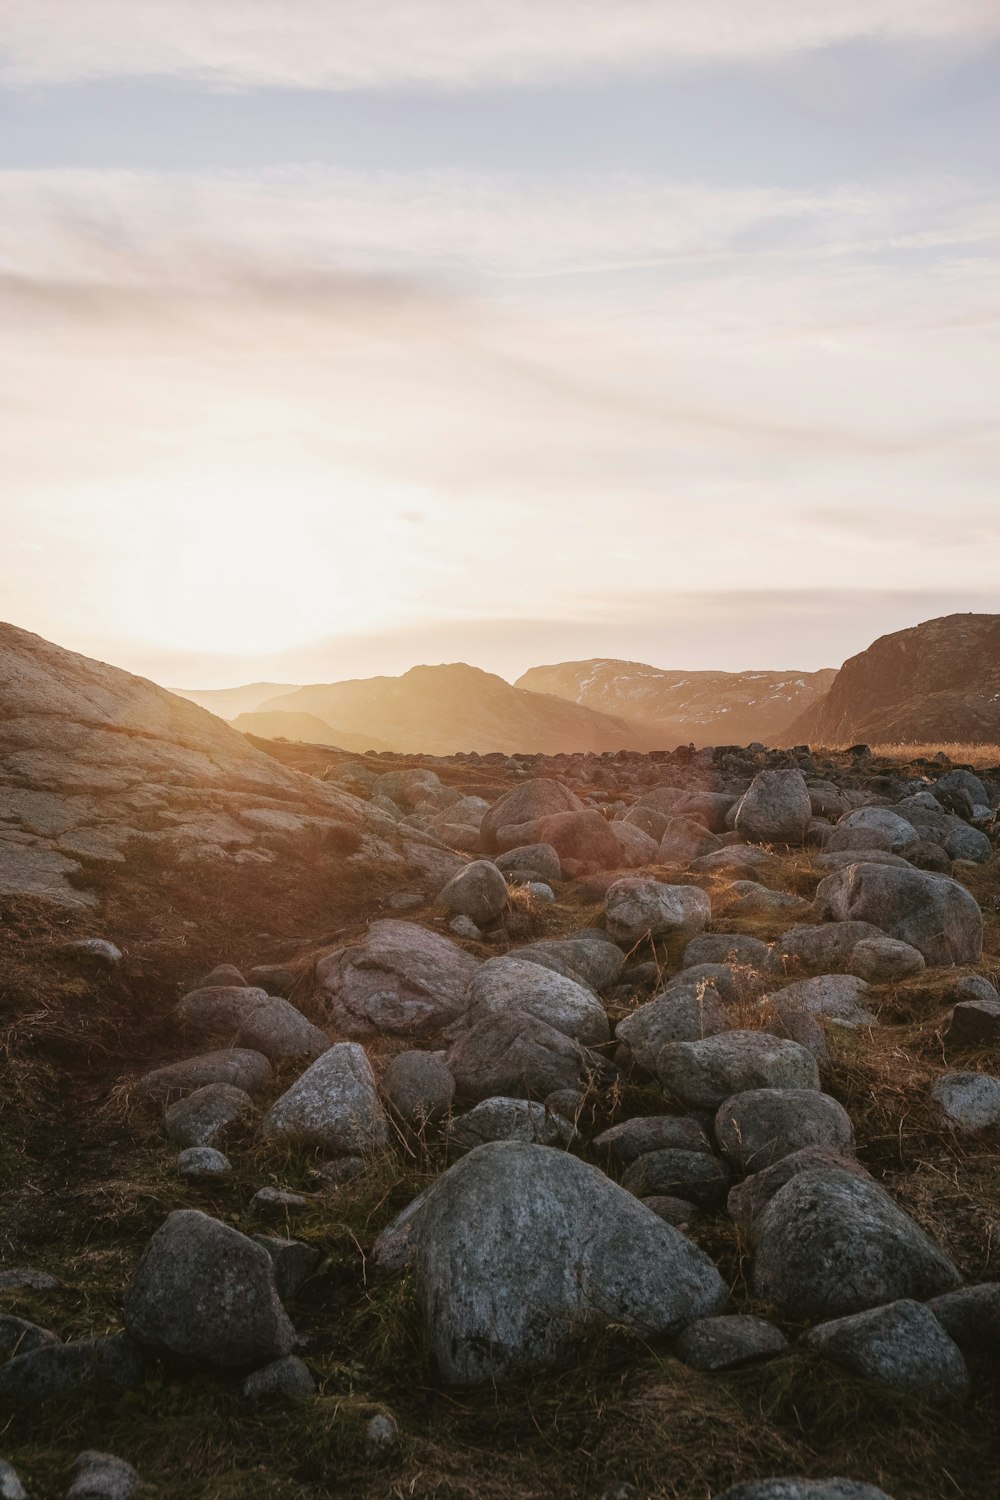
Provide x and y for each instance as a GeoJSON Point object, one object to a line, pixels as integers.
{"type": "Point", "coordinates": [339, 335]}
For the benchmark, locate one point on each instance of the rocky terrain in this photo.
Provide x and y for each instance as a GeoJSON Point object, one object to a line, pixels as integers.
{"type": "Point", "coordinates": [938, 681]}
{"type": "Point", "coordinates": [703, 708]}
{"type": "Point", "coordinates": [446, 709]}
{"type": "Point", "coordinates": [487, 1126]}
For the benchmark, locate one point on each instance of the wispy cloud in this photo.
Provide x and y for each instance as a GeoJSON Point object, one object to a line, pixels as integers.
{"type": "Point", "coordinates": [375, 43]}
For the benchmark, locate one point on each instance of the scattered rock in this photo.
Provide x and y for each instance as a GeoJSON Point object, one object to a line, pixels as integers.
{"type": "Point", "coordinates": [334, 1105]}
{"type": "Point", "coordinates": [27, 1278]}
{"type": "Point", "coordinates": [632, 1138]}
{"type": "Point", "coordinates": [515, 983]}
{"type": "Point", "coordinates": [399, 979]}
{"type": "Point", "coordinates": [239, 1067]}
{"type": "Point", "coordinates": [102, 1476]}
{"type": "Point", "coordinates": [507, 1120]}
{"type": "Point", "coordinates": [250, 1017]}
{"type": "Point", "coordinates": [276, 1203]}
{"type": "Point", "coordinates": [971, 1317]}
{"type": "Point", "coordinates": [748, 1199]}
{"type": "Point", "coordinates": [804, 1489]}
{"type": "Point", "coordinates": [975, 1023]}
{"type": "Point", "coordinates": [725, 1343]}
{"type": "Point", "coordinates": [835, 997]}
{"type": "Point", "coordinates": [775, 809]}
{"type": "Point", "coordinates": [204, 1116]}
{"type": "Point", "coordinates": [515, 1055]}
{"type": "Point", "coordinates": [586, 1253]}
{"type": "Point", "coordinates": [531, 862]}
{"type": "Point", "coordinates": [56, 1369]}
{"type": "Point", "coordinates": [683, 1013]}
{"type": "Point", "coordinates": [98, 950]}
{"type": "Point", "coordinates": [381, 1435]}
{"type": "Point", "coordinates": [969, 1102]}
{"type": "Point", "coordinates": [901, 1346]}
{"type": "Point", "coordinates": [759, 1127]}
{"type": "Point", "coordinates": [881, 960]}
{"type": "Point", "coordinates": [289, 1377]}
{"type": "Point", "coordinates": [11, 1487]}
{"type": "Point", "coordinates": [930, 912]}
{"type": "Point", "coordinates": [293, 1260]}
{"type": "Point", "coordinates": [479, 892]}
{"type": "Point", "coordinates": [208, 1292]}
{"type": "Point", "coordinates": [636, 908]}
{"type": "Point", "coordinates": [203, 1163]}
{"type": "Point", "coordinates": [697, 1176]}
{"type": "Point", "coordinates": [705, 1074]}
{"type": "Point", "coordinates": [18, 1336]}
{"type": "Point", "coordinates": [418, 1087]}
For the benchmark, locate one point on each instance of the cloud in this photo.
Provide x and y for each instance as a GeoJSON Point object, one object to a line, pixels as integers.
{"type": "Point", "coordinates": [345, 44]}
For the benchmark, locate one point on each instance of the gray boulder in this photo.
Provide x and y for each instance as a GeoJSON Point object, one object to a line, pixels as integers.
{"type": "Point", "coordinates": [775, 810]}
{"type": "Point", "coordinates": [478, 892]}
{"type": "Point", "coordinates": [11, 1487]}
{"type": "Point", "coordinates": [293, 1260]}
{"type": "Point", "coordinates": [507, 1120]}
{"type": "Point", "coordinates": [531, 862]}
{"type": "Point", "coordinates": [757, 1128]}
{"type": "Point", "coordinates": [827, 948]}
{"type": "Point", "coordinates": [804, 1489]}
{"type": "Point", "coordinates": [56, 1369]}
{"type": "Point", "coordinates": [635, 908]}
{"type": "Point", "coordinates": [635, 848]}
{"type": "Point", "coordinates": [901, 1346]}
{"type": "Point", "coordinates": [202, 1163]}
{"type": "Point", "coordinates": [515, 983]}
{"type": "Point", "coordinates": [932, 913]}
{"type": "Point", "coordinates": [206, 1291]}
{"type": "Point", "coordinates": [399, 979]}
{"type": "Point", "coordinates": [897, 832]}
{"type": "Point", "coordinates": [971, 1316]}
{"type": "Point", "coordinates": [418, 1087]}
{"type": "Point", "coordinates": [496, 1304]}
{"type": "Point", "coordinates": [737, 950]}
{"type": "Point", "coordinates": [705, 1074]}
{"type": "Point", "coordinates": [697, 1176]}
{"type": "Point", "coordinates": [975, 1021]}
{"type": "Point", "coordinates": [288, 1377]}
{"type": "Point", "coordinates": [834, 997]}
{"type": "Point", "coordinates": [102, 1476]}
{"type": "Point", "coordinates": [829, 1244]}
{"type": "Point", "coordinates": [250, 1017]}
{"type": "Point", "coordinates": [584, 841]}
{"type": "Point", "coordinates": [527, 803]}
{"type": "Point", "coordinates": [18, 1336]}
{"type": "Point", "coordinates": [726, 1343]}
{"type": "Point", "coordinates": [969, 1102]}
{"type": "Point", "coordinates": [334, 1105]}
{"type": "Point", "coordinates": [591, 958]}
{"type": "Point", "coordinates": [683, 1013]}
{"type": "Point", "coordinates": [685, 839]}
{"type": "Point", "coordinates": [748, 1199]}
{"type": "Point", "coordinates": [882, 960]}
{"type": "Point", "coordinates": [515, 1055]}
{"type": "Point", "coordinates": [632, 1138]}
{"type": "Point", "coordinates": [204, 1116]}
{"type": "Point", "coordinates": [239, 1067]}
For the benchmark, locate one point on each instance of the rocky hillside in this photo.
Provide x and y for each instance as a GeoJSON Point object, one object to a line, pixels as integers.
{"type": "Point", "coordinates": [99, 768]}
{"type": "Point", "coordinates": [274, 725]}
{"type": "Point", "coordinates": [229, 703]}
{"type": "Point", "coordinates": [444, 709]}
{"type": "Point", "coordinates": [939, 681]}
{"type": "Point", "coordinates": [706, 708]}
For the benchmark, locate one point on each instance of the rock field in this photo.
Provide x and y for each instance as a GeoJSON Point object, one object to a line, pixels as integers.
{"type": "Point", "coordinates": [674, 1075]}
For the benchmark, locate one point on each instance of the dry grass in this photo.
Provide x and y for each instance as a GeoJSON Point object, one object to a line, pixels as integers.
{"type": "Point", "coordinates": [983, 757]}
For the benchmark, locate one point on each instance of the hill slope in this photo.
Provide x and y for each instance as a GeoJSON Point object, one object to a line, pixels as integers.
{"type": "Point", "coordinates": [936, 681]}
{"type": "Point", "coordinates": [444, 709]}
{"type": "Point", "coordinates": [276, 724]}
{"type": "Point", "coordinates": [710, 708]}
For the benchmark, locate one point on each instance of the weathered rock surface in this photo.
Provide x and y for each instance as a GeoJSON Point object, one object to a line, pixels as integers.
{"type": "Point", "coordinates": [933, 913]}
{"type": "Point", "coordinates": [203, 1117]}
{"type": "Point", "coordinates": [775, 809]}
{"type": "Point", "coordinates": [516, 983]}
{"type": "Point", "coordinates": [968, 1102]}
{"type": "Point", "coordinates": [334, 1105]}
{"type": "Point", "coordinates": [804, 1489]}
{"type": "Point", "coordinates": [512, 1054]}
{"type": "Point", "coordinates": [558, 1249]}
{"type": "Point", "coordinates": [418, 1087]}
{"type": "Point", "coordinates": [635, 908]}
{"type": "Point", "coordinates": [399, 979]}
{"type": "Point", "coordinates": [206, 1291]}
{"type": "Point", "coordinates": [683, 1013]}
{"type": "Point", "coordinates": [507, 1120]}
{"type": "Point", "coordinates": [705, 1074]}
{"type": "Point", "coordinates": [248, 1017]}
{"type": "Point", "coordinates": [901, 1345]}
{"type": "Point", "coordinates": [479, 892]}
{"type": "Point", "coordinates": [238, 1067]}
{"type": "Point", "coordinates": [757, 1128]}
{"type": "Point", "coordinates": [726, 1343]}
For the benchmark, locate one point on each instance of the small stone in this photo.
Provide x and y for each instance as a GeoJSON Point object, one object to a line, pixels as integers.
{"type": "Point", "coordinates": [223, 974]}
{"type": "Point", "coordinates": [464, 927]}
{"type": "Point", "coordinates": [901, 1346]}
{"type": "Point", "coordinates": [276, 1203]}
{"type": "Point", "coordinates": [203, 1163]}
{"type": "Point", "coordinates": [969, 1102]}
{"type": "Point", "coordinates": [289, 1376]}
{"type": "Point", "coordinates": [381, 1435]}
{"type": "Point", "coordinates": [99, 950]}
{"type": "Point", "coordinates": [102, 1476]}
{"type": "Point", "coordinates": [204, 1116]}
{"type": "Point", "coordinates": [26, 1278]}
{"type": "Point", "coordinates": [333, 1105]}
{"type": "Point", "coordinates": [725, 1343]}
{"type": "Point", "coordinates": [11, 1487]}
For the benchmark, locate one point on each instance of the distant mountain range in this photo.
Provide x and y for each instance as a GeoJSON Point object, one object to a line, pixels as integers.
{"type": "Point", "coordinates": [937, 681]}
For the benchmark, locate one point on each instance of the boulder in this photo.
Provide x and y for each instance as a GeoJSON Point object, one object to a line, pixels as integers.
{"type": "Point", "coordinates": [685, 839]}
{"type": "Point", "coordinates": [206, 1291]}
{"type": "Point", "coordinates": [418, 1087]}
{"type": "Point", "coordinates": [968, 1102]}
{"type": "Point", "coordinates": [478, 892]}
{"type": "Point", "coordinates": [507, 1120]}
{"type": "Point", "coordinates": [752, 901]}
{"type": "Point", "coordinates": [202, 1163]}
{"type": "Point", "coordinates": [737, 950]}
{"type": "Point", "coordinates": [632, 1138]}
{"type": "Point", "coordinates": [826, 949]}
{"type": "Point", "coordinates": [18, 1336]}
{"type": "Point", "coordinates": [884, 960]}
{"type": "Point", "coordinates": [102, 1476]}
{"type": "Point", "coordinates": [683, 1013]}
{"type": "Point", "coordinates": [635, 908]}
{"type": "Point", "coordinates": [726, 1343]}
{"type": "Point", "coordinates": [971, 1316]}
{"type": "Point", "coordinates": [830, 1243]}
{"type": "Point", "coordinates": [834, 997]}
{"type": "Point", "coordinates": [515, 983]}
{"type": "Point", "coordinates": [748, 1199]}
{"type": "Point", "coordinates": [932, 913]}
{"type": "Point", "coordinates": [757, 1128]}
{"type": "Point", "coordinates": [527, 803]}
{"type": "Point", "coordinates": [705, 1074]}
{"type": "Point", "coordinates": [804, 1489]}
{"type": "Point", "coordinates": [775, 810]}
{"type": "Point", "coordinates": [250, 1017]}
{"type": "Point", "coordinates": [496, 1304]}
{"type": "Point", "coordinates": [11, 1487]}
{"type": "Point", "coordinates": [333, 1105]}
{"type": "Point", "coordinates": [512, 1054]}
{"type": "Point", "coordinates": [589, 957]}
{"type": "Point", "coordinates": [635, 848]}
{"type": "Point", "coordinates": [239, 1067]}
{"type": "Point", "coordinates": [898, 834]}
{"type": "Point", "coordinates": [901, 1346]}
{"type": "Point", "coordinates": [976, 1022]}
{"type": "Point", "coordinates": [697, 1176]}
{"type": "Point", "coordinates": [399, 979]}
{"type": "Point", "coordinates": [585, 841]}
{"type": "Point", "coordinates": [55, 1369]}
{"type": "Point", "coordinates": [287, 1377]}
{"type": "Point", "coordinates": [204, 1116]}
{"type": "Point", "coordinates": [531, 862]}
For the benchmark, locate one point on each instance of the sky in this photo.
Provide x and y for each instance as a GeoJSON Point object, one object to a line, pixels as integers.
{"type": "Point", "coordinates": [342, 335]}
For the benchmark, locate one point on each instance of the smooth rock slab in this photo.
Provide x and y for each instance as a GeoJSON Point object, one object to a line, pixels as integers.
{"type": "Point", "coordinates": [726, 1343]}
{"type": "Point", "coordinates": [334, 1105]}
{"type": "Point", "coordinates": [759, 1127]}
{"type": "Point", "coordinates": [705, 1074]}
{"type": "Point", "coordinates": [206, 1291]}
{"type": "Point", "coordinates": [522, 1249]}
{"type": "Point", "coordinates": [829, 1244]}
{"type": "Point", "coordinates": [901, 1346]}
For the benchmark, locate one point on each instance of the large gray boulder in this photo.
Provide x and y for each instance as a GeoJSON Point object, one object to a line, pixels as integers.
{"type": "Point", "coordinates": [522, 1249]}
{"type": "Point", "coordinates": [515, 983]}
{"type": "Point", "coordinates": [901, 1346]}
{"type": "Point", "coordinates": [418, 1087]}
{"type": "Point", "coordinates": [705, 1074]}
{"type": "Point", "coordinates": [635, 908]}
{"type": "Point", "coordinates": [334, 1105]}
{"type": "Point", "coordinates": [531, 862]}
{"type": "Point", "coordinates": [899, 835]}
{"type": "Point", "coordinates": [524, 804]}
{"type": "Point", "coordinates": [683, 1013]}
{"type": "Point", "coordinates": [206, 1291]}
{"type": "Point", "coordinates": [933, 913]}
{"type": "Point", "coordinates": [509, 1053]}
{"type": "Point", "coordinates": [399, 979]}
{"type": "Point", "coordinates": [632, 1138]}
{"type": "Point", "coordinates": [591, 958]}
{"type": "Point", "coordinates": [830, 1243]}
{"type": "Point", "coordinates": [775, 810]}
{"type": "Point", "coordinates": [478, 892]}
{"type": "Point", "coordinates": [748, 1200]}
{"type": "Point", "coordinates": [834, 997]}
{"type": "Point", "coordinates": [757, 1128]}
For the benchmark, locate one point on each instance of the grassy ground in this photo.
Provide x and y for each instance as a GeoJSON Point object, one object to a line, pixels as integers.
{"type": "Point", "coordinates": [87, 1178]}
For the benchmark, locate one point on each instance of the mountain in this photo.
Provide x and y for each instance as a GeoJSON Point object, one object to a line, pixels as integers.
{"type": "Point", "coordinates": [276, 724]}
{"type": "Point", "coordinates": [710, 708]}
{"type": "Point", "coordinates": [102, 772]}
{"type": "Point", "coordinates": [229, 703]}
{"type": "Point", "coordinates": [939, 681]}
{"type": "Point", "coordinates": [444, 709]}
